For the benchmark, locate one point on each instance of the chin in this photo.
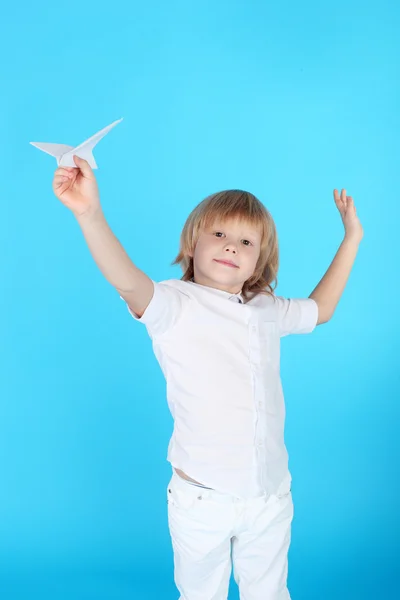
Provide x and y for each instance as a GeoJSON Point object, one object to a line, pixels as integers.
{"type": "Point", "coordinates": [226, 280]}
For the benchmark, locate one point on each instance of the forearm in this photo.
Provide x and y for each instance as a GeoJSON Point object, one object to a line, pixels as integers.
{"type": "Point", "coordinates": [108, 253]}
{"type": "Point", "coordinates": [330, 289]}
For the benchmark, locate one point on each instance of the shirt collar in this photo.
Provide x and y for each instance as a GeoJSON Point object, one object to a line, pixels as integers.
{"type": "Point", "coordinates": [233, 297]}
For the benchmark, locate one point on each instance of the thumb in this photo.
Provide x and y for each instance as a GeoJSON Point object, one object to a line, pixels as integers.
{"type": "Point", "coordinates": [83, 166]}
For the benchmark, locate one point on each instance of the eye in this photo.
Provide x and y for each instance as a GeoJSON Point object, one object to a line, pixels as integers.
{"type": "Point", "coordinates": [218, 233]}
{"type": "Point", "coordinates": [246, 242]}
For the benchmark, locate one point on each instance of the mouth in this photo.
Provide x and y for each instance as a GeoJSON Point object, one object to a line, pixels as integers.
{"type": "Point", "coordinates": [227, 263]}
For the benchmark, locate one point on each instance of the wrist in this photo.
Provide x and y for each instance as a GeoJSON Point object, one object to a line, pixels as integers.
{"type": "Point", "coordinates": [90, 216]}
{"type": "Point", "coordinates": [353, 238]}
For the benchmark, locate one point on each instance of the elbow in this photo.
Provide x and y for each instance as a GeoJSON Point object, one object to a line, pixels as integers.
{"type": "Point", "coordinates": [324, 312]}
{"type": "Point", "coordinates": [322, 320]}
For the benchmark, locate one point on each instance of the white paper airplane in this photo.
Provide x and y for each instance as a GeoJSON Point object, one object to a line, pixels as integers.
{"type": "Point", "coordinates": [64, 154]}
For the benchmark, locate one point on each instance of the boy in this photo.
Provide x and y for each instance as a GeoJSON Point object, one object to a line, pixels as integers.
{"type": "Point", "coordinates": [216, 334]}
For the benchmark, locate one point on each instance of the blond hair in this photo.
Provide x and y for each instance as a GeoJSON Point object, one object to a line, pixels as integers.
{"type": "Point", "coordinates": [226, 205]}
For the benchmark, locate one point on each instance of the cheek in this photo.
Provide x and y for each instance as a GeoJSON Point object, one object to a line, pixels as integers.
{"type": "Point", "coordinates": [253, 259]}
{"type": "Point", "coordinates": [204, 249]}
{"type": "Point", "coordinates": [200, 251]}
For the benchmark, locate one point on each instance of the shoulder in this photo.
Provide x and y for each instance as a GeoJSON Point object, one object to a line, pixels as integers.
{"type": "Point", "coordinates": [296, 315]}
{"type": "Point", "coordinates": [184, 287]}
{"type": "Point", "coordinates": [169, 302]}
{"type": "Point", "coordinates": [292, 315]}
{"type": "Point", "coordinates": [262, 300]}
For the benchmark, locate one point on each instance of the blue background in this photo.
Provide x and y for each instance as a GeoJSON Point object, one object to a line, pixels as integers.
{"type": "Point", "coordinates": [288, 101]}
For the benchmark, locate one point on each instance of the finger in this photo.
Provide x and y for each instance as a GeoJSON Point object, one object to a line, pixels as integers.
{"type": "Point", "coordinates": [338, 199]}
{"type": "Point", "coordinates": [66, 171]}
{"type": "Point", "coordinates": [84, 166]}
{"type": "Point", "coordinates": [350, 203]}
{"type": "Point", "coordinates": [61, 180]}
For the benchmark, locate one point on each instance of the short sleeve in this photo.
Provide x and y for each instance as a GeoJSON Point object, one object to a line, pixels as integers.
{"type": "Point", "coordinates": [296, 315]}
{"type": "Point", "coordinates": [164, 309]}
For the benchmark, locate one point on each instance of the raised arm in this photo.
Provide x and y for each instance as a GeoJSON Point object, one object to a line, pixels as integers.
{"type": "Point", "coordinates": [330, 289]}
{"type": "Point", "coordinates": [77, 189]}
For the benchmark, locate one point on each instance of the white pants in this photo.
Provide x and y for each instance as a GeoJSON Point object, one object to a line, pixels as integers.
{"type": "Point", "coordinates": [211, 530]}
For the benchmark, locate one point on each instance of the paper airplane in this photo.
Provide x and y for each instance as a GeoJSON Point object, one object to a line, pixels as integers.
{"type": "Point", "coordinates": [64, 154]}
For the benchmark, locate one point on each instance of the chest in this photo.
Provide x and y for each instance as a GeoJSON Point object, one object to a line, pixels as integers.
{"type": "Point", "coordinates": [230, 339]}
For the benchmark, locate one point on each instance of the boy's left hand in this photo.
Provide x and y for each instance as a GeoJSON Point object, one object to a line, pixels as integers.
{"type": "Point", "coordinates": [352, 225]}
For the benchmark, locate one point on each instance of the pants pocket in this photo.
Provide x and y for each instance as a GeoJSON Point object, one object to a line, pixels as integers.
{"type": "Point", "coordinates": [183, 497]}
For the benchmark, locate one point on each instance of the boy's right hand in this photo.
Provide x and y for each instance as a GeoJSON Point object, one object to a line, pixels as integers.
{"type": "Point", "coordinates": [77, 188]}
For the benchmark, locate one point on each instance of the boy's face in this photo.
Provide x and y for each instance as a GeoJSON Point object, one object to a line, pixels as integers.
{"type": "Point", "coordinates": [234, 241]}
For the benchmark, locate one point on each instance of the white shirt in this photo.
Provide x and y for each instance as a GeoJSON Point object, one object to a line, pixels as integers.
{"type": "Point", "coordinates": [220, 359]}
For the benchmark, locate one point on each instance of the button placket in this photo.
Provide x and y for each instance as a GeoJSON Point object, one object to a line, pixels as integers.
{"type": "Point", "coordinates": [255, 363]}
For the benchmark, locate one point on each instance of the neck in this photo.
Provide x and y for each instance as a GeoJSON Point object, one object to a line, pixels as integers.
{"type": "Point", "coordinates": [217, 288]}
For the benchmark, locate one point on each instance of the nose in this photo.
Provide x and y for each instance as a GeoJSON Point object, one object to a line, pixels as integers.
{"type": "Point", "coordinates": [230, 246]}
